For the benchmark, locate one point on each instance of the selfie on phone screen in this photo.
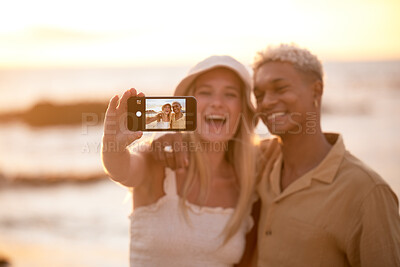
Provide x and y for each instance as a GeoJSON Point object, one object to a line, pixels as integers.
{"type": "Point", "coordinates": [165, 114]}
{"type": "Point", "coordinates": [200, 133]}
{"type": "Point", "coordinates": [162, 113]}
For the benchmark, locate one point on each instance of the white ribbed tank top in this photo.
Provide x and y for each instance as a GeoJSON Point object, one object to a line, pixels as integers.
{"type": "Point", "coordinates": [161, 237]}
{"type": "Point", "coordinates": [163, 125]}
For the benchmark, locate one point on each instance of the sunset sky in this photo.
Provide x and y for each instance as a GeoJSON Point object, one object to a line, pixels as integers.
{"type": "Point", "coordinates": [44, 33]}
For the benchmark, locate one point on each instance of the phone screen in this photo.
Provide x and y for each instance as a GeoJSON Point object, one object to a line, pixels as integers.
{"type": "Point", "coordinates": [162, 113]}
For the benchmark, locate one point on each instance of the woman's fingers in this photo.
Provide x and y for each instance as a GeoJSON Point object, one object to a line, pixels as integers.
{"type": "Point", "coordinates": [157, 150]}
{"type": "Point", "coordinates": [170, 159]}
{"type": "Point", "coordinates": [116, 113]}
{"type": "Point", "coordinates": [112, 106]}
{"type": "Point", "coordinates": [110, 118]}
{"type": "Point", "coordinates": [122, 107]}
{"type": "Point", "coordinates": [113, 103]}
{"type": "Point", "coordinates": [116, 135]}
{"type": "Point", "coordinates": [164, 150]}
{"type": "Point", "coordinates": [134, 136]}
{"type": "Point", "coordinates": [159, 155]}
{"type": "Point", "coordinates": [181, 153]}
{"type": "Point", "coordinates": [123, 102]}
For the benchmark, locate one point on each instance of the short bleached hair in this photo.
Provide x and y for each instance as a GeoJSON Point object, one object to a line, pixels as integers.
{"type": "Point", "coordinates": [176, 102]}
{"type": "Point", "coordinates": [301, 58]}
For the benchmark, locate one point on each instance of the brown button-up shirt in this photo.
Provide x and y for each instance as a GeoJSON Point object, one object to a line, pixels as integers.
{"type": "Point", "coordinates": [341, 213]}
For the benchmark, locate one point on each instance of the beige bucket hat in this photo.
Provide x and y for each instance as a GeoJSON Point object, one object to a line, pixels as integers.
{"type": "Point", "coordinates": [217, 62]}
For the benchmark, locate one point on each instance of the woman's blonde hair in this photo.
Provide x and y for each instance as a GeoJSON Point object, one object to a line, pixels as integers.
{"type": "Point", "coordinates": [239, 153]}
{"type": "Point", "coordinates": [170, 108]}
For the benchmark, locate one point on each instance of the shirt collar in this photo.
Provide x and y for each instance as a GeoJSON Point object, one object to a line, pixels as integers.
{"type": "Point", "coordinates": [327, 169]}
{"type": "Point", "coordinates": [324, 172]}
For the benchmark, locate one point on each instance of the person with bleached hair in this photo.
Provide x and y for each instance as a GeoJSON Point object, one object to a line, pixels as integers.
{"type": "Point", "coordinates": [178, 118]}
{"type": "Point", "coordinates": [321, 206]}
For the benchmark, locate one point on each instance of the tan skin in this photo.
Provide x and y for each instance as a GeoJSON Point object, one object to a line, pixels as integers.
{"type": "Point", "coordinates": [177, 110]}
{"type": "Point", "coordinates": [162, 116]}
{"type": "Point", "coordinates": [291, 95]}
{"type": "Point", "coordinates": [289, 99]}
{"type": "Point", "coordinates": [178, 161]}
{"type": "Point", "coordinates": [136, 169]}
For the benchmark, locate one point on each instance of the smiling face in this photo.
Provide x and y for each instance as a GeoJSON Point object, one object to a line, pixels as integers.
{"type": "Point", "coordinates": [218, 95]}
{"type": "Point", "coordinates": [176, 107]}
{"type": "Point", "coordinates": [167, 109]}
{"type": "Point", "coordinates": [285, 98]}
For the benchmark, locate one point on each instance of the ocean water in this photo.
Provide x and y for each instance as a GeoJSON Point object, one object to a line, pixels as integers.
{"type": "Point", "coordinates": [87, 224]}
{"type": "Point", "coordinates": [20, 88]}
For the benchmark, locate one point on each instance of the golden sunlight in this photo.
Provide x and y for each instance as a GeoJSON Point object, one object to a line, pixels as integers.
{"type": "Point", "coordinates": [45, 33]}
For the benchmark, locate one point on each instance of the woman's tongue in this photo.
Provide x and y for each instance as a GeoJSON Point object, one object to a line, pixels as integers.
{"type": "Point", "coordinates": [215, 122]}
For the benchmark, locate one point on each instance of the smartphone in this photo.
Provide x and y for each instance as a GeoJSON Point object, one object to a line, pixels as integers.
{"type": "Point", "coordinates": [178, 113]}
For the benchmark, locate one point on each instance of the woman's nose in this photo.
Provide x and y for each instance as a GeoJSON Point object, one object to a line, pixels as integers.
{"type": "Point", "coordinates": [216, 100]}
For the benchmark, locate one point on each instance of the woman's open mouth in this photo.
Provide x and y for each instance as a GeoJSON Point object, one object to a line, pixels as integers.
{"type": "Point", "coordinates": [215, 121]}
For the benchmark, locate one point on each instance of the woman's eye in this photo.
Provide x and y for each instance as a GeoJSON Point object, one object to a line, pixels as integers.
{"type": "Point", "coordinates": [231, 94]}
{"type": "Point", "coordinates": [204, 93]}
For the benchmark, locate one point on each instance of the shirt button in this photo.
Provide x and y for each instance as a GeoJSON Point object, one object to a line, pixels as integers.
{"type": "Point", "coordinates": [268, 233]}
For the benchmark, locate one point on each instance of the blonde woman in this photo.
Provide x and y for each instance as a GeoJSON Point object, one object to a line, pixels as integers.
{"type": "Point", "coordinates": [199, 216]}
{"type": "Point", "coordinates": [163, 118]}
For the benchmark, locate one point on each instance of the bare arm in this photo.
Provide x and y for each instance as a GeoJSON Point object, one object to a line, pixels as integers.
{"type": "Point", "coordinates": [122, 166]}
{"type": "Point", "coordinates": [155, 118]}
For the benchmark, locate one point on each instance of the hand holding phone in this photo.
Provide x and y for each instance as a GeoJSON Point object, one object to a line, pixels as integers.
{"type": "Point", "coordinates": [177, 113]}
{"type": "Point", "coordinates": [116, 134]}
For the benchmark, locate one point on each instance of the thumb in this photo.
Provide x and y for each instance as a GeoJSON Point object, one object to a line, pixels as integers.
{"type": "Point", "coordinates": [135, 136]}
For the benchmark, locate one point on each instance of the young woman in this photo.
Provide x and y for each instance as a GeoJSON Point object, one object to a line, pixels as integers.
{"type": "Point", "coordinates": [163, 118]}
{"type": "Point", "coordinates": [198, 216]}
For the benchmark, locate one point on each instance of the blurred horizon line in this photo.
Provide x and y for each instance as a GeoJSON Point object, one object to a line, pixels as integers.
{"type": "Point", "coordinates": [162, 65]}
